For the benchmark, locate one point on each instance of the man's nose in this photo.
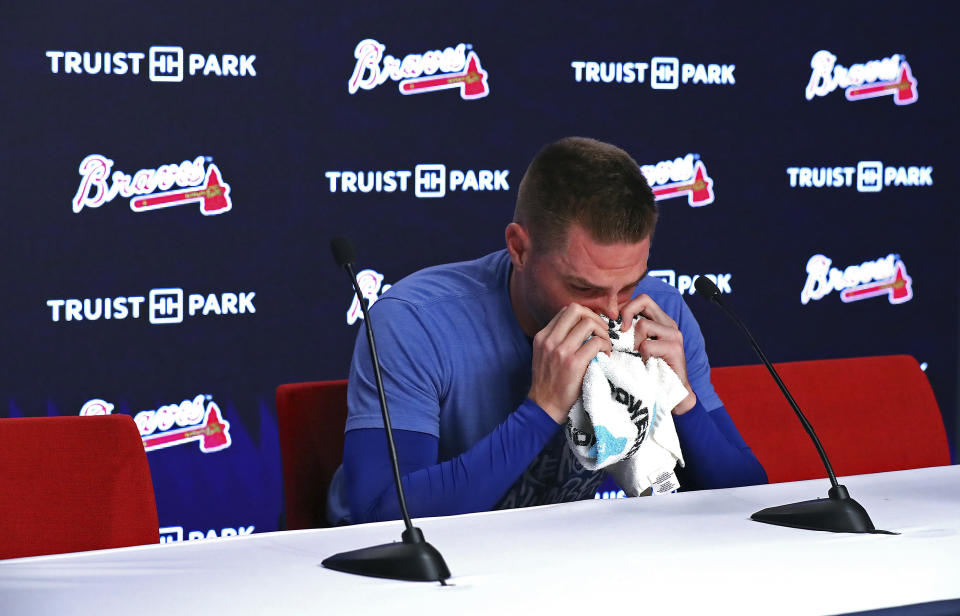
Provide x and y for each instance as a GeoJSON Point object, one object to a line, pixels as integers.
{"type": "Point", "coordinates": [610, 307]}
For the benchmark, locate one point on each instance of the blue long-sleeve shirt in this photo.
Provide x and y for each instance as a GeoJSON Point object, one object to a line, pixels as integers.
{"type": "Point", "coordinates": [456, 371]}
{"type": "Point", "coordinates": [477, 479]}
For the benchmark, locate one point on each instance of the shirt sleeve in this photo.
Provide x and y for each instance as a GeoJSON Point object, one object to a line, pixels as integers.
{"type": "Point", "coordinates": [715, 454]}
{"type": "Point", "coordinates": [473, 481]}
{"type": "Point", "coordinates": [413, 375]}
{"type": "Point", "coordinates": [698, 365]}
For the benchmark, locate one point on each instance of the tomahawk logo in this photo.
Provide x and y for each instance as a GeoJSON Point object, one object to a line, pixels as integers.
{"type": "Point", "coordinates": [686, 176]}
{"type": "Point", "coordinates": [199, 186]}
{"type": "Point", "coordinates": [452, 68]}
{"type": "Point", "coordinates": [175, 424]}
{"type": "Point", "coordinates": [887, 77]}
{"type": "Point", "coordinates": [883, 277]}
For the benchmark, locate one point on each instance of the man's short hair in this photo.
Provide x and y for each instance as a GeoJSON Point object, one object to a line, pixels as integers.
{"type": "Point", "coordinates": [589, 182]}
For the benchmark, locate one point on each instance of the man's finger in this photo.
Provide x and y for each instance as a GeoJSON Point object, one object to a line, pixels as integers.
{"type": "Point", "coordinates": [663, 349]}
{"type": "Point", "coordinates": [646, 328]}
{"type": "Point", "coordinates": [589, 349]}
{"type": "Point", "coordinates": [584, 312]}
{"type": "Point", "coordinates": [570, 316]}
{"type": "Point", "coordinates": [644, 305]}
{"type": "Point", "coordinates": [549, 327]}
{"type": "Point", "coordinates": [634, 307]}
{"type": "Point", "coordinates": [583, 330]}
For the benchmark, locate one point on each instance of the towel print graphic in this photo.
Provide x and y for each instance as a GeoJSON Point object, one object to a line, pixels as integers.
{"type": "Point", "coordinates": [607, 446]}
{"type": "Point", "coordinates": [580, 437]}
{"type": "Point", "coordinates": [639, 415]}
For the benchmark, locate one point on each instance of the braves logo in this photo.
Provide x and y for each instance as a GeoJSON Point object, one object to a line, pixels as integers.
{"type": "Point", "coordinates": [96, 407]}
{"type": "Point", "coordinates": [898, 288]}
{"type": "Point", "coordinates": [904, 89]}
{"type": "Point", "coordinates": [214, 197]}
{"type": "Point", "coordinates": [698, 190]}
{"type": "Point", "coordinates": [887, 77]}
{"type": "Point", "coordinates": [683, 176]}
{"type": "Point", "coordinates": [472, 81]}
{"type": "Point", "coordinates": [199, 186]}
{"type": "Point", "coordinates": [213, 434]}
{"type": "Point", "coordinates": [371, 285]}
{"type": "Point", "coordinates": [883, 277]}
{"type": "Point", "coordinates": [459, 70]}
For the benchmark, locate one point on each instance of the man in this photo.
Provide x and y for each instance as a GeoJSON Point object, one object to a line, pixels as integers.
{"type": "Point", "coordinates": [482, 360]}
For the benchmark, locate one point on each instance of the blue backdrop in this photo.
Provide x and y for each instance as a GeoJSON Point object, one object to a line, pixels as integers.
{"type": "Point", "coordinates": [172, 174]}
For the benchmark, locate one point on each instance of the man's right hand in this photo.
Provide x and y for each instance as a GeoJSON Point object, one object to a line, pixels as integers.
{"type": "Point", "coordinates": [561, 353]}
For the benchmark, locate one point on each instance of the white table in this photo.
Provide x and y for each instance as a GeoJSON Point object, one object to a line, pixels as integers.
{"type": "Point", "coordinates": [690, 553]}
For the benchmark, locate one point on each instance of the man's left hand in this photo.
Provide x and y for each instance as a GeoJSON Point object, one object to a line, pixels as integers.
{"type": "Point", "coordinates": [658, 336]}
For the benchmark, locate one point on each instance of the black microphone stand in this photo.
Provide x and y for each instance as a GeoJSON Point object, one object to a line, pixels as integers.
{"type": "Point", "coordinates": [413, 558]}
{"type": "Point", "coordinates": [838, 513]}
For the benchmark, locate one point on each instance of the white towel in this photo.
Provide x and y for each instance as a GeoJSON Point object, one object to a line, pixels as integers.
{"type": "Point", "coordinates": [622, 421]}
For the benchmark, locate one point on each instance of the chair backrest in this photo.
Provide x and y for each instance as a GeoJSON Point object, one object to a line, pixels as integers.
{"type": "Point", "coordinates": [872, 414]}
{"type": "Point", "coordinates": [310, 417]}
{"type": "Point", "coordinates": [69, 484]}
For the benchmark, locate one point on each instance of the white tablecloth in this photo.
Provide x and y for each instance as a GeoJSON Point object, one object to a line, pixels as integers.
{"type": "Point", "coordinates": [689, 553]}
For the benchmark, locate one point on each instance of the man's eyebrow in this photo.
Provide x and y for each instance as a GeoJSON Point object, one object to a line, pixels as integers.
{"type": "Point", "coordinates": [586, 283]}
{"type": "Point", "coordinates": [640, 279]}
{"type": "Point", "coordinates": [580, 282]}
{"type": "Point", "coordinates": [636, 282]}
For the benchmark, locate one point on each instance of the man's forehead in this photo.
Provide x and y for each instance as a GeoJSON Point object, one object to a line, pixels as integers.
{"type": "Point", "coordinates": [599, 264]}
{"type": "Point", "coordinates": [580, 245]}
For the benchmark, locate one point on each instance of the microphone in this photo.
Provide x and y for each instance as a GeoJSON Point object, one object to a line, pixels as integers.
{"type": "Point", "coordinates": [343, 253]}
{"type": "Point", "coordinates": [413, 559]}
{"type": "Point", "coordinates": [838, 513]}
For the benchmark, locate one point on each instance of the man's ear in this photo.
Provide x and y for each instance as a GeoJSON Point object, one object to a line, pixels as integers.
{"type": "Point", "coordinates": [518, 245]}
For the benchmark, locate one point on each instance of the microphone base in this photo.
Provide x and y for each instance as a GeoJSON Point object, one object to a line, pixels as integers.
{"type": "Point", "coordinates": [410, 560]}
{"type": "Point", "coordinates": [838, 514]}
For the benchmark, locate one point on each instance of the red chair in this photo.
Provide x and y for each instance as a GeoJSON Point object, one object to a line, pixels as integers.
{"type": "Point", "coordinates": [872, 414]}
{"type": "Point", "coordinates": [69, 484]}
{"type": "Point", "coordinates": [311, 417]}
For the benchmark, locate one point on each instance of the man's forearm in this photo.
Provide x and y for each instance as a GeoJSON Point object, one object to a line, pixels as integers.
{"type": "Point", "coordinates": [715, 454]}
{"type": "Point", "coordinates": [473, 481]}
